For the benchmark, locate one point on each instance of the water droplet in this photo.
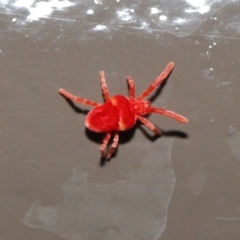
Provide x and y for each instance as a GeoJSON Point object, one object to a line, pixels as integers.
{"type": "Point", "coordinates": [208, 73]}
{"type": "Point", "coordinates": [208, 55]}
{"type": "Point", "coordinates": [155, 10]}
{"type": "Point", "coordinates": [231, 130]}
{"type": "Point", "coordinates": [163, 18]}
{"type": "Point", "coordinates": [90, 11]}
{"type": "Point", "coordinates": [97, 1]}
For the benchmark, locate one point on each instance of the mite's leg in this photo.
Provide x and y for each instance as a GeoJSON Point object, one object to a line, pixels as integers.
{"type": "Point", "coordinates": [149, 125]}
{"type": "Point", "coordinates": [77, 99]}
{"type": "Point", "coordinates": [114, 145]}
{"type": "Point", "coordinates": [167, 113]}
{"type": "Point", "coordinates": [104, 144]}
{"type": "Point", "coordinates": [157, 81]}
{"type": "Point", "coordinates": [131, 88]}
{"type": "Point", "coordinates": [104, 85]}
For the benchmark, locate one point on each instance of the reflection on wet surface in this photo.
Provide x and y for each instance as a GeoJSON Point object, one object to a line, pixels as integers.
{"type": "Point", "coordinates": [180, 18]}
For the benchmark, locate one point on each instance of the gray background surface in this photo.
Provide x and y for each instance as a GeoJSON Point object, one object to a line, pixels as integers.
{"type": "Point", "coordinates": [184, 185]}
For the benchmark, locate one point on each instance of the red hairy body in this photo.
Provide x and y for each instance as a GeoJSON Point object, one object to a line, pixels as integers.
{"type": "Point", "coordinates": [120, 113]}
{"type": "Point", "coordinates": [117, 114]}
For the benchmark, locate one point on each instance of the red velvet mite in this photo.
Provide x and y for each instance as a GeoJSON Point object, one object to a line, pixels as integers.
{"type": "Point", "coordinates": [120, 113]}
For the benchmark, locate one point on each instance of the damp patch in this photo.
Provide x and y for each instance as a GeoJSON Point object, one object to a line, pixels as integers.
{"type": "Point", "coordinates": [134, 208]}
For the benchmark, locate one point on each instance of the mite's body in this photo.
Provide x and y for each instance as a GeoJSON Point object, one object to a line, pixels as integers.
{"type": "Point", "coordinates": [117, 114]}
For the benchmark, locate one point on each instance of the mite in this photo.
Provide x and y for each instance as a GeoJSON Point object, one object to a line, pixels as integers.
{"type": "Point", "coordinates": [120, 113]}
